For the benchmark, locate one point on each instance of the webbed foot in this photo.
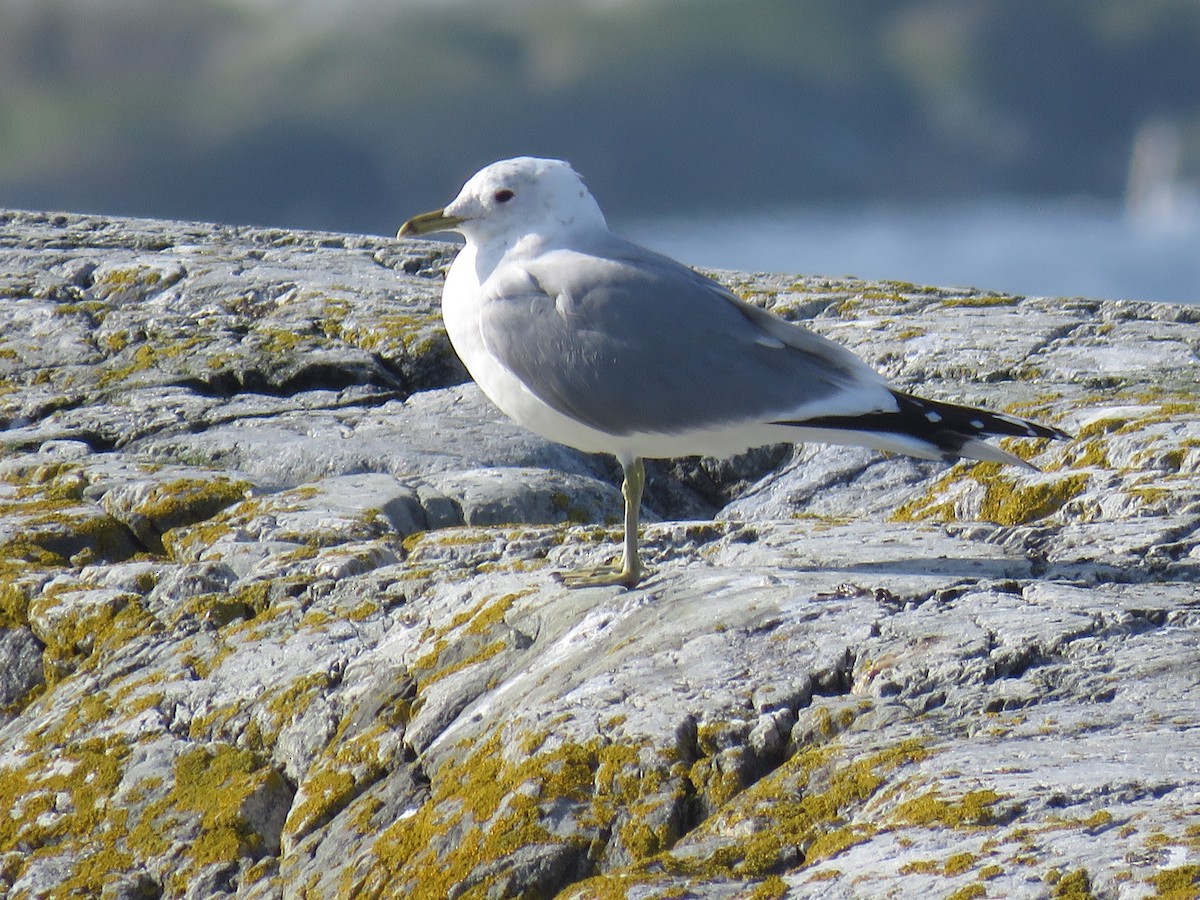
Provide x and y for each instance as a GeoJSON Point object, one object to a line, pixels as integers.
{"type": "Point", "coordinates": [603, 576]}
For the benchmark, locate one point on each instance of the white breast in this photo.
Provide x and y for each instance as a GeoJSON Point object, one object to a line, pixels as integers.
{"type": "Point", "coordinates": [462, 300]}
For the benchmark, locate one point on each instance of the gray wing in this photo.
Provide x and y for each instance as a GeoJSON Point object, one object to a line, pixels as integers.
{"type": "Point", "coordinates": [626, 340]}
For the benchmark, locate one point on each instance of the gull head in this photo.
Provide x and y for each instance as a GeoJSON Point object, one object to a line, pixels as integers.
{"type": "Point", "coordinates": [513, 198]}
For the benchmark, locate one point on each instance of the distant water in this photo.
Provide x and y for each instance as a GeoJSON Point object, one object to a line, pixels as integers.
{"type": "Point", "coordinates": [1062, 248]}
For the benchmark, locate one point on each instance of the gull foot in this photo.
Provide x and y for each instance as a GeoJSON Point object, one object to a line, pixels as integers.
{"type": "Point", "coordinates": [603, 576]}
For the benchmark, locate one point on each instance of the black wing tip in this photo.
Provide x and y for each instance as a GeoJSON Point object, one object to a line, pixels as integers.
{"type": "Point", "coordinates": [947, 428]}
{"type": "Point", "coordinates": [971, 421]}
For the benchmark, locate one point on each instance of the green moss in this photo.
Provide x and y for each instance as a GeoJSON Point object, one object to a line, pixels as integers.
{"type": "Point", "coordinates": [574, 514]}
{"type": "Point", "coordinates": [187, 542]}
{"type": "Point", "coordinates": [47, 480]}
{"type": "Point", "coordinates": [642, 840]}
{"type": "Point", "coordinates": [219, 609]}
{"type": "Point", "coordinates": [287, 703]}
{"type": "Point", "coordinates": [618, 886]}
{"type": "Point", "coordinates": [20, 581]}
{"type": "Point", "coordinates": [364, 610]}
{"type": "Point", "coordinates": [488, 613]}
{"type": "Point", "coordinates": [830, 843]}
{"type": "Point", "coordinates": [987, 873]}
{"type": "Point", "coordinates": [325, 792]}
{"type": "Point", "coordinates": [1150, 496]}
{"type": "Point", "coordinates": [876, 295]}
{"type": "Point", "coordinates": [968, 892]}
{"type": "Point", "coordinates": [928, 506]}
{"type": "Point", "coordinates": [1184, 407]}
{"type": "Point", "coordinates": [1173, 459]}
{"type": "Point", "coordinates": [93, 310]}
{"type": "Point", "coordinates": [355, 759]}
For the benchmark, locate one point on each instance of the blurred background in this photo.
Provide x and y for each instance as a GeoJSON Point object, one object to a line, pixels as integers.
{"type": "Point", "coordinates": [1019, 145]}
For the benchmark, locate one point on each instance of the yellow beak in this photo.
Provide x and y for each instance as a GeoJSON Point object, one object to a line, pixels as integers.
{"type": "Point", "coordinates": [429, 223]}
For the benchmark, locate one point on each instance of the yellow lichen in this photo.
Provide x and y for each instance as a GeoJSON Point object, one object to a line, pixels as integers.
{"type": "Point", "coordinates": [973, 809]}
{"type": "Point", "coordinates": [921, 867]}
{"type": "Point", "coordinates": [980, 301]}
{"type": "Point", "coordinates": [1008, 503]}
{"type": "Point", "coordinates": [1074, 886]}
{"type": "Point", "coordinates": [771, 888]}
{"type": "Point", "coordinates": [58, 801]}
{"type": "Point", "coordinates": [803, 804]}
{"type": "Point", "coordinates": [959, 863]}
{"type": "Point", "coordinates": [187, 500]}
{"type": "Point", "coordinates": [1179, 883]}
{"type": "Point", "coordinates": [211, 786]}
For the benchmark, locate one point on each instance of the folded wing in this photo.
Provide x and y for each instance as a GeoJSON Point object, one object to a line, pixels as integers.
{"type": "Point", "coordinates": [573, 327]}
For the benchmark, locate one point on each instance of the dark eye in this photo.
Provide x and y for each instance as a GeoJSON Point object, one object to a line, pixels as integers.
{"type": "Point", "coordinates": [503, 195]}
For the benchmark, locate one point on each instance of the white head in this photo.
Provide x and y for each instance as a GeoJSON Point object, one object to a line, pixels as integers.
{"type": "Point", "coordinates": [513, 198]}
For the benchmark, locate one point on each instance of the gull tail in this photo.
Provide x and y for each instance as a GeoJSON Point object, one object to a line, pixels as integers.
{"type": "Point", "coordinates": [935, 429]}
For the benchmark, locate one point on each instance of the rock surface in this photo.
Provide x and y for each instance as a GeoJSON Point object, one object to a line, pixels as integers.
{"type": "Point", "coordinates": [278, 615]}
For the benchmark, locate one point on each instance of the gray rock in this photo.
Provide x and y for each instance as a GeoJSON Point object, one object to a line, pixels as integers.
{"type": "Point", "coordinates": [527, 495]}
{"type": "Point", "coordinates": [279, 614]}
{"type": "Point", "coordinates": [22, 670]}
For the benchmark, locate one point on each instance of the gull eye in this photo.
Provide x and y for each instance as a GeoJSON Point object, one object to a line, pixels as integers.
{"type": "Point", "coordinates": [503, 195]}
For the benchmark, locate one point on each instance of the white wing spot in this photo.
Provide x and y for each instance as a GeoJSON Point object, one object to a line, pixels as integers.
{"type": "Point", "coordinates": [975, 423]}
{"type": "Point", "coordinates": [932, 416]}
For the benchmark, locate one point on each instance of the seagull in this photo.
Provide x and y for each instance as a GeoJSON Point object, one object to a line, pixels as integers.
{"type": "Point", "coordinates": [601, 344]}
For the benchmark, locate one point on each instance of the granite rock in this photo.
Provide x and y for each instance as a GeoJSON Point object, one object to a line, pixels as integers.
{"type": "Point", "coordinates": [279, 615]}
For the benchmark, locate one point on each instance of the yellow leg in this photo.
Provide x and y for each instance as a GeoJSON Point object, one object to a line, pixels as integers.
{"type": "Point", "coordinates": [631, 570]}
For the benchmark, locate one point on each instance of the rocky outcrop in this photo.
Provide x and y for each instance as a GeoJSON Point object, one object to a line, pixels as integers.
{"type": "Point", "coordinates": [278, 615]}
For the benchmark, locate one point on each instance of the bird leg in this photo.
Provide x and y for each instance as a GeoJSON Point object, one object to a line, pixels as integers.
{"type": "Point", "coordinates": [631, 570]}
